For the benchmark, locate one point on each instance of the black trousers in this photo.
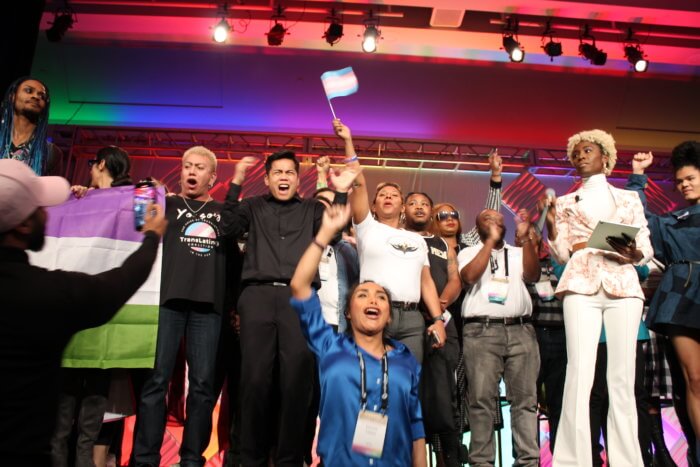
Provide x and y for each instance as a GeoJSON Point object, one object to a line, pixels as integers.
{"type": "Point", "coordinates": [276, 371]}
{"type": "Point", "coordinates": [550, 381]}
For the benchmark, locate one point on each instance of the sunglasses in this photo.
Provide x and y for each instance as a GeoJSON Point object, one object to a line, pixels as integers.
{"type": "Point", "coordinates": [92, 162]}
{"type": "Point", "coordinates": [444, 215]}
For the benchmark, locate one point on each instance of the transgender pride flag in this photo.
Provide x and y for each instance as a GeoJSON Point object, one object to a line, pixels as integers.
{"type": "Point", "coordinates": [339, 83]}
{"type": "Point", "coordinates": [92, 235]}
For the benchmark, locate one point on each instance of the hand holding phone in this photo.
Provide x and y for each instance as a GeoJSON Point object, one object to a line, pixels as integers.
{"type": "Point", "coordinates": [144, 195]}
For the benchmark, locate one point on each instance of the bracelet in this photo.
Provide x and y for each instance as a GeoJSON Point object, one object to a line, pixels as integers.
{"type": "Point", "coordinates": [318, 244]}
{"type": "Point", "coordinates": [351, 159]}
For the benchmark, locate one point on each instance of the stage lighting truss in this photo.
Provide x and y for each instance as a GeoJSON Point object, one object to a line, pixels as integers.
{"type": "Point", "coordinates": [63, 20]}
{"type": "Point", "coordinates": [515, 51]}
{"type": "Point", "coordinates": [588, 50]}
{"type": "Point", "coordinates": [372, 33]}
{"type": "Point", "coordinates": [334, 31]}
{"type": "Point", "coordinates": [551, 48]}
{"type": "Point", "coordinates": [634, 53]}
{"type": "Point", "coordinates": [277, 32]}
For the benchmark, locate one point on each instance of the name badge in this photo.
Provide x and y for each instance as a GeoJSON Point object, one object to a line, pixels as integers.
{"type": "Point", "coordinates": [545, 290]}
{"type": "Point", "coordinates": [369, 434]}
{"type": "Point", "coordinates": [497, 290]}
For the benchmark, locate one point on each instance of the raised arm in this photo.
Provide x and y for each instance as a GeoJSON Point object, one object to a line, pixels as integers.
{"type": "Point", "coordinates": [525, 239]}
{"type": "Point", "coordinates": [454, 284]}
{"type": "Point", "coordinates": [473, 271]}
{"type": "Point", "coordinates": [100, 296]}
{"type": "Point", "coordinates": [323, 165]}
{"type": "Point", "coordinates": [335, 219]}
{"type": "Point", "coordinates": [359, 199]}
{"type": "Point", "coordinates": [235, 216]}
{"type": "Point", "coordinates": [493, 198]}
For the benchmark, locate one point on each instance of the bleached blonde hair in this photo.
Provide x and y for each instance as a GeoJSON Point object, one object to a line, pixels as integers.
{"type": "Point", "coordinates": [603, 139]}
{"type": "Point", "coordinates": [202, 151]}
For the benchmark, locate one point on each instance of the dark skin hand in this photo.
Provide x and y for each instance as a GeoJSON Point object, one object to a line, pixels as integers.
{"type": "Point", "coordinates": [626, 247]}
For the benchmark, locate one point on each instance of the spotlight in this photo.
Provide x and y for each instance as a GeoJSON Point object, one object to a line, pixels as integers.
{"type": "Point", "coordinates": [334, 31]}
{"type": "Point", "coordinates": [635, 54]}
{"type": "Point", "coordinates": [551, 48]}
{"type": "Point", "coordinates": [221, 31]}
{"type": "Point", "coordinates": [589, 51]}
{"type": "Point", "coordinates": [515, 51]}
{"type": "Point", "coordinates": [510, 43]}
{"type": "Point", "coordinates": [276, 35]}
{"type": "Point", "coordinates": [277, 32]}
{"type": "Point", "coordinates": [62, 22]}
{"type": "Point", "coordinates": [369, 39]}
{"type": "Point", "coordinates": [371, 35]}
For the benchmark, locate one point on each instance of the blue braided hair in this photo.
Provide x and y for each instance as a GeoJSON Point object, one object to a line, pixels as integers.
{"type": "Point", "coordinates": [39, 151]}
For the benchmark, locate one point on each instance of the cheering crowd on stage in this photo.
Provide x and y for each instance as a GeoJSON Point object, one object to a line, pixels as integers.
{"type": "Point", "coordinates": [361, 325]}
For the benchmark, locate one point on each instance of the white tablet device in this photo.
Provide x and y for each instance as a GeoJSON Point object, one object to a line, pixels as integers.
{"type": "Point", "coordinates": [610, 229]}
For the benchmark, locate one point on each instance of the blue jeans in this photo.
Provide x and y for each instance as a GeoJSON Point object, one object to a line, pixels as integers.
{"type": "Point", "coordinates": [201, 327]}
{"type": "Point", "coordinates": [492, 352]}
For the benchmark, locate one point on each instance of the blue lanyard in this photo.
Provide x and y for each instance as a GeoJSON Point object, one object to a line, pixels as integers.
{"type": "Point", "coordinates": [363, 382]}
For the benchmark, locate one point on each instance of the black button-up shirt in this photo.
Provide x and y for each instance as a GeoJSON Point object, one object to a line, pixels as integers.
{"type": "Point", "coordinates": [278, 233]}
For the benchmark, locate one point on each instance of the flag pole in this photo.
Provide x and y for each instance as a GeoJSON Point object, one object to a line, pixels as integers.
{"type": "Point", "coordinates": [331, 106]}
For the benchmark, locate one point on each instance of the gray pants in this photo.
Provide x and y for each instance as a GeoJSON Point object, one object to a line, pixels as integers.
{"type": "Point", "coordinates": [511, 352]}
{"type": "Point", "coordinates": [408, 327]}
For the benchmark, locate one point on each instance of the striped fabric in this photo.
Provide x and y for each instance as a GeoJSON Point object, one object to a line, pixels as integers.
{"type": "Point", "coordinates": [94, 234]}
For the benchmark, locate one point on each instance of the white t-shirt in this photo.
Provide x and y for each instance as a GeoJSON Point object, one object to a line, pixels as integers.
{"type": "Point", "coordinates": [328, 293]}
{"type": "Point", "coordinates": [476, 302]}
{"type": "Point", "coordinates": [393, 258]}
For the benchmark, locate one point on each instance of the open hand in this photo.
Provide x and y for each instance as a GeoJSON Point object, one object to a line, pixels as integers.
{"type": "Point", "coordinates": [342, 180]}
{"type": "Point", "coordinates": [335, 218]}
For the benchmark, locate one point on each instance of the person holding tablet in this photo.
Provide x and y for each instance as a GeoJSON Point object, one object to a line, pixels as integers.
{"type": "Point", "coordinates": [598, 287]}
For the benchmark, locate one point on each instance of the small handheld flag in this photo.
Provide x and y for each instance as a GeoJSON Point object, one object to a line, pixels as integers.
{"type": "Point", "coordinates": [339, 83]}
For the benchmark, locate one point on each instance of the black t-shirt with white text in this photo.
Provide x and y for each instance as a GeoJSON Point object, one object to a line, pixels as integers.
{"type": "Point", "coordinates": [194, 253]}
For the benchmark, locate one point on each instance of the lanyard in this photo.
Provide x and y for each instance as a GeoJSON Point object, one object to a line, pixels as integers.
{"type": "Point", "coordinates": [494, 263]}
{"type": "Point", "coordinates": [363, 382]}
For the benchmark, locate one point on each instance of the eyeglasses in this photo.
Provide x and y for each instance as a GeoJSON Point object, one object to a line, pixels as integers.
{"type": "Point", "coordinates": [92, 162]}
{"type": "Point", "coordinates": [444, 215]}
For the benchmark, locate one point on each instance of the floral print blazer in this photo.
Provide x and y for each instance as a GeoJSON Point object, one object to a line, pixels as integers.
{"type": "Point", "coordinates": [587, 269]}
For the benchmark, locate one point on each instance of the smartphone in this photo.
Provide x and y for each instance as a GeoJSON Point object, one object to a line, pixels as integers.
{"type": "Point", "coordinates": [435, 338]}
{"type": "Point", "coordinates": [144, 194]}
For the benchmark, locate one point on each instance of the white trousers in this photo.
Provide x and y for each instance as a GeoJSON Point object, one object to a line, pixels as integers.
{"type": "Point", "coordinates": [583, 317]}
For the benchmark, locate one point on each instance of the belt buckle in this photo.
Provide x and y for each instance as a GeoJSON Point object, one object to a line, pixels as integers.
{"type": "Point", "coordinates": [279, 284]}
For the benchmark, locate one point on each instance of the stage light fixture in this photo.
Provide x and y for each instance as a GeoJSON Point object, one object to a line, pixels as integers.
{"type": "Point", "coordinates": [221, 31]}
{"type": "Point", "coordinates": [510, 43]}
{"type": "Point", "coordinates": [372, 34]}
{"type": "Point", "coordinates": [277, 32]}
{"type": "Point", "coordinates": [551, 48]}
{"type": "Point", "coordinates": [334, 31]}
{"type": "Point", "coordinates": [62, 22]}
{"type": "Point", "coordinates": [635, 54]}
{"type": "Point", "coordinates": [589, 51]}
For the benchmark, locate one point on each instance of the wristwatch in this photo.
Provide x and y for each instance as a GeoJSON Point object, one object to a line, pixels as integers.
{"type": "Point", "coordinates": [444, 317]}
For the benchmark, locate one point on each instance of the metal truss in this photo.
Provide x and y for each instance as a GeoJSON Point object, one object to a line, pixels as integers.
{"type": "Point", "coordinates": [83, 142]}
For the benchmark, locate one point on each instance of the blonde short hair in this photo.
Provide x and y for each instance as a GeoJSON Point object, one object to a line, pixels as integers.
{"type": "Point", "coordinates": [202, 151]}
{"type": "Point", "coordinates": [602, 139]}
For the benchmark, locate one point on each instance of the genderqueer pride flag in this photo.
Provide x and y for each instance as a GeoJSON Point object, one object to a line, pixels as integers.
{"type": "Point", "coordinates": [92, 235]}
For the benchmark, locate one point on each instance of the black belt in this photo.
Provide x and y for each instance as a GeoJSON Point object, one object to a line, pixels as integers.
{"type": "Point", "coordinates": [271, 283]}
{"type": "Point", "coordinates": [405, 306]}
{"type": "Point", "coordinates": [505, 321]}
